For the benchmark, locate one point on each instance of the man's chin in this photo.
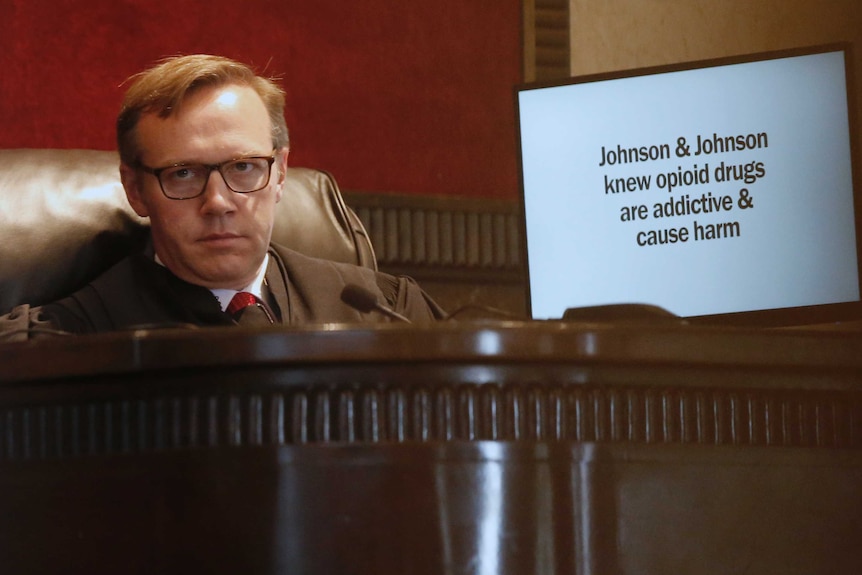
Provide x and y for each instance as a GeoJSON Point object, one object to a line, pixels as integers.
{"type": "Point", "coordinates": [224, 273]}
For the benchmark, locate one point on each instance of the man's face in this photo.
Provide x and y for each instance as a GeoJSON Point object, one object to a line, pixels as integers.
{"type": "Point", "coordinates": [218, 239]}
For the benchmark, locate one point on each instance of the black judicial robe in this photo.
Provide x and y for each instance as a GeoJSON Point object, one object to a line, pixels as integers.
{"type": "Point", "coordinates": [139, 293]}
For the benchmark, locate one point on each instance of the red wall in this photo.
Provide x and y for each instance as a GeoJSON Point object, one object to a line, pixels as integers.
{"type": "Point", "coordinates": [388, 95]}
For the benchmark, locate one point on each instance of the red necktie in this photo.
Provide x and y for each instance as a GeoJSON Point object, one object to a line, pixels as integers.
{"type": "Point", "coordinates": [240, 301]}
{"type": "Point", "coordinates": [246, 309]}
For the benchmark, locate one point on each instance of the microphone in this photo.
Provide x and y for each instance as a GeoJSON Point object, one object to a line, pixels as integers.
{"type": "Point", "coordinates": [365, 301]}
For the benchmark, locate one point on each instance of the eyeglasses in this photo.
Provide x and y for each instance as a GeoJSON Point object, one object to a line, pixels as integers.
{"type": "Point", "coordinates": [187, 181]}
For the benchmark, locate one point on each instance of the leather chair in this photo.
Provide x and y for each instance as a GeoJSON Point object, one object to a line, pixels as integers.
{"type": "Point", "coordinates": [64, 219]}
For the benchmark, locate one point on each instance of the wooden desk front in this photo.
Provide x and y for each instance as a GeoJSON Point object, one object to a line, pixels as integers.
{"type": "Point", "coordinates": [477, 448]}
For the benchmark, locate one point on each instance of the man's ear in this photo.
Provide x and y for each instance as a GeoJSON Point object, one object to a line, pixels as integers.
{"type": "Point", "coordinates": [132, 184]}
{"type": "Point", "coordinates": [281, 168]}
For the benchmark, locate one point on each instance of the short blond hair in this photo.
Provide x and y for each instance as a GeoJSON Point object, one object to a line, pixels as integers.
{"type": "Point", "coordinates": [162, 88]}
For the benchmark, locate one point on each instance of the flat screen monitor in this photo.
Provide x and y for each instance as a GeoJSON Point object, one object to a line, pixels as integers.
{"type": "Point", "coordinates": [720, 191]}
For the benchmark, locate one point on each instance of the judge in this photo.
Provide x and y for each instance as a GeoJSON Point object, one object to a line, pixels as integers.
{"type": "Point", "coordinates": [203, 151]}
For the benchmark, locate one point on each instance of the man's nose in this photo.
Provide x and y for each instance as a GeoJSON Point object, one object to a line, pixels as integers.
{"type": "Point", "coordinates": [218, 198]}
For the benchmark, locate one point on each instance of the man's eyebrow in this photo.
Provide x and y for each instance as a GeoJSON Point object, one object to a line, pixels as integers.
{"type": "Point", "coordinates": [246, 154]}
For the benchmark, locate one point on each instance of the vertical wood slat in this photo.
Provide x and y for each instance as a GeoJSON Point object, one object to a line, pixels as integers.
{"type": "Point", "coordinates": [546, 36]}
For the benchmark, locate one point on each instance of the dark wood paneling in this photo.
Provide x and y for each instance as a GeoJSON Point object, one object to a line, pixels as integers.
{"type": "Point", "coordinates": [463, 251]}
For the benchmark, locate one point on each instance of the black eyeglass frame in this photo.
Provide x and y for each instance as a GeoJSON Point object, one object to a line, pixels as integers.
{"type": "Point", "coordinates": [157, 172]}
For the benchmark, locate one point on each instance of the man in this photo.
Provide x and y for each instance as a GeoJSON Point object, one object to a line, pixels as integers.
{"type": "Point", "coordinates": [203, 149]}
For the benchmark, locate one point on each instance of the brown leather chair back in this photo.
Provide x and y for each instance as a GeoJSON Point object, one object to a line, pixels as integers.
{"type": "Point", "coordinates": [64, 219]}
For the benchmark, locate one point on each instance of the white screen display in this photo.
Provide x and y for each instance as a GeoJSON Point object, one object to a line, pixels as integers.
{"type": "Point", "coordinates": [709, 190]}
